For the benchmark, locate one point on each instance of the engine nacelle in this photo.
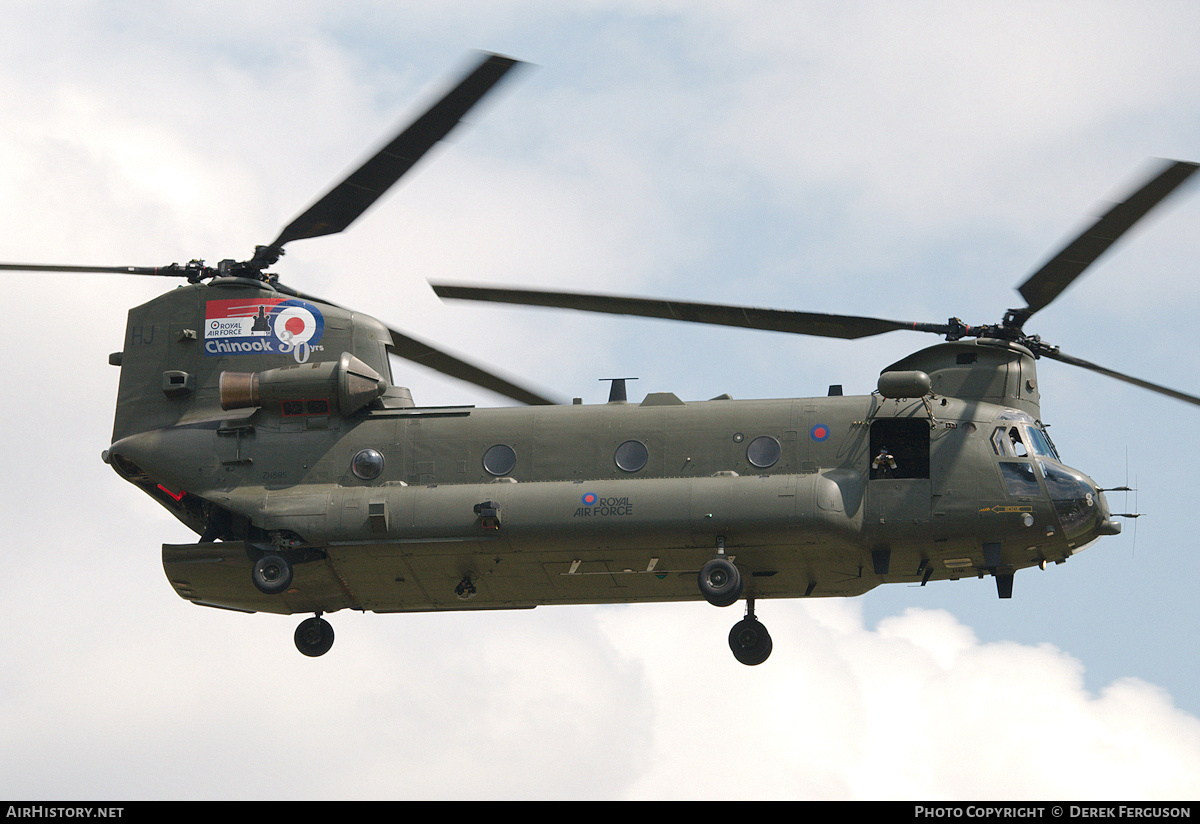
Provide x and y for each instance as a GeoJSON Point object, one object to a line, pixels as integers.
{"type": "Point", "coordinates": [346, 385]}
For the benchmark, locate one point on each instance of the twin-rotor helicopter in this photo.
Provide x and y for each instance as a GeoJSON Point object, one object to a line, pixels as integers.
{"type": "Point", "coordinates": [266, 420]}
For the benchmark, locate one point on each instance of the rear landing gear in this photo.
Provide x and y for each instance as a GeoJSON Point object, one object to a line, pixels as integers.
{"type": "Point", "coordinates": [314, 636]}
{"type": "Point", "coordinates": [749, 640]}
{"type": "Point", "coordinates": [272, 574]}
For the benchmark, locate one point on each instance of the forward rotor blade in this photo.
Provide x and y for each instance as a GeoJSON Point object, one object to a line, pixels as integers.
{"type": "Point", "coordinates": [1060, 271]}
{"type": "Point", "coordinates": [409, 348]}
{"type": "Point", "coordinates": [422, 353]}
{"type": "Point", "coordinates": [354, 195]}
{"type": "Point", "coordinates": [1153, 387]}
{"type": "Point", "coordinates": [774, 320]}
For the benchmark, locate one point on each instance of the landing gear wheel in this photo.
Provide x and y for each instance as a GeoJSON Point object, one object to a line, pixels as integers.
{"type": "Point", "coordinates": [272, 574]}
{"type": "Point", "coordinates": [720, 582]}
{"type": "Point", "coordinates": [750, 641]}
{"type": "Point", "coordinates": [314, 637]}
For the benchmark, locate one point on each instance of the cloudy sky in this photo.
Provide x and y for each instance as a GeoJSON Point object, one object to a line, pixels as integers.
{"type": "Point", "coordinates": [903, 160]}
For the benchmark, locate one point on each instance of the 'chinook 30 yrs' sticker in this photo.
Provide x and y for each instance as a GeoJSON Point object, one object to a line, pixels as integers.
{"type": "Point", "coordinates": [281, 326]}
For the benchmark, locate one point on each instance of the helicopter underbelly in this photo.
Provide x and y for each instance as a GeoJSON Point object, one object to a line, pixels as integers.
{"type": "Point", "coordinates": [426, 576]}
{"type": "Point", "coordinates": [519, 545]}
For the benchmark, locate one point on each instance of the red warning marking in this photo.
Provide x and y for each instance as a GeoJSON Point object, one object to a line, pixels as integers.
{"type": "Point", "coordinates": [176, 495]}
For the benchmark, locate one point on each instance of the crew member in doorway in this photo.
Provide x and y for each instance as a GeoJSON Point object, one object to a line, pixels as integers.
{"type": "Point", "coordinates": [883, 465]}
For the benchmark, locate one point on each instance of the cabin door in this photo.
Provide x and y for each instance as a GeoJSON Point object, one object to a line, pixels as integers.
{"type": "Point", "coordinates": [899, 492]}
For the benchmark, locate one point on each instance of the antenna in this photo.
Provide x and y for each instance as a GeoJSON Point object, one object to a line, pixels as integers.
{"type": "Point", "coordinates": [1134, 515]}
{"type": "Point", "coordinates": [616, 392]}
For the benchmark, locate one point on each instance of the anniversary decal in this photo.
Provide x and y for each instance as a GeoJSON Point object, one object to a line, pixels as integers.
{"type": "Point", "coordinates": [270, 326]}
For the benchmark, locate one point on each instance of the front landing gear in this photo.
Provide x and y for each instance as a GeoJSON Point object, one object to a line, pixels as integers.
{"type": "Point", "coordinates": [749, 640]}
{"type": "Point", "coordinates": [719, 580]}
{"type": "Point", "coordinates": [720, 583]}
{"type": "Point", "coordinates": [314, 636]}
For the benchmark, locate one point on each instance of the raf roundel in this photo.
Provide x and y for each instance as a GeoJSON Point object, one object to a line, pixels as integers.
{"type": "Point", "coordinates": [295, 324]}
{"type": "Point", "coordinates": [589, 498]}
{"type": "Point", "coordinates": [819, 432]}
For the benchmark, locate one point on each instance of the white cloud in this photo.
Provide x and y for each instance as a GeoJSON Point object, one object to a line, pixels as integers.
{"type": "Point", "coordinates": [916, 708]}
{"type": "Point", "coordinates": [584, 702]}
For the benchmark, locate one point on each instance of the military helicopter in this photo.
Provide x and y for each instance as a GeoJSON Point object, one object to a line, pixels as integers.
{"type": "Point", "coordinates": [267, 421]}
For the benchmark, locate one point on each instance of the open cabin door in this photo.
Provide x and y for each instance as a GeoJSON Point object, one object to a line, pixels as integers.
{"type": "Point", "coordinates": [899, 489]}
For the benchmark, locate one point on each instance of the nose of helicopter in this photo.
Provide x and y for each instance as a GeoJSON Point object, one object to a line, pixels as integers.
{"type": "Point", "coordinates": [1080, 504]}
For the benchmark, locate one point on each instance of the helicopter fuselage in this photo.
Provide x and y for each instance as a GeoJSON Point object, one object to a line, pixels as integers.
{"type": "Point", "coordinates": [381, 505]}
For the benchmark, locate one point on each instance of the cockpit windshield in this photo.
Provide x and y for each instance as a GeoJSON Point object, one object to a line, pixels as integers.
{"type": "Point", "coordinates": [1078, 504]}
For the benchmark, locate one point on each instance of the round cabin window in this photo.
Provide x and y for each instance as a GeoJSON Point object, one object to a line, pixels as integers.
{"type": "Point", "coordinates": [499, 460]}
{"type": "Point", "coordinates": [367, 464]}
{"type": "Point", "coordinates": [763, 451]}
{"type": "Point", "coordinates": [631, 456]}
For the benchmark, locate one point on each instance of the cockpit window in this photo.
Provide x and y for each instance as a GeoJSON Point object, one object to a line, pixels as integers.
{"type": "Point", "coordinates": [1008, 443]}
{"type": "Point", "coordinates": [1022, 442]}
{"type": "Point", "coordinates": [1017, 442]}
{"type": "Point", "coordinates": [1019, 479]}
{"type": "Point", "coordinates": [1000, 442]}
{"type": "Point", "coordinates": [1041, 443]}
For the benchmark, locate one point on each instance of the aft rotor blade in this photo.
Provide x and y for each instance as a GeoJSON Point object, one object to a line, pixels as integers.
{"type": "Point", "coordinates": [773, 320]}
{"type": "Point", "coordinates": [174, 270]}
{"type": "Point", "coordinates": [1153, 387]}
{"type": "Point", "coordinates": [409, 348]}
{"type": "Point", "coordinates": [1060, 271]}
{"type": "Point", "coordinates": [354, 195]}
